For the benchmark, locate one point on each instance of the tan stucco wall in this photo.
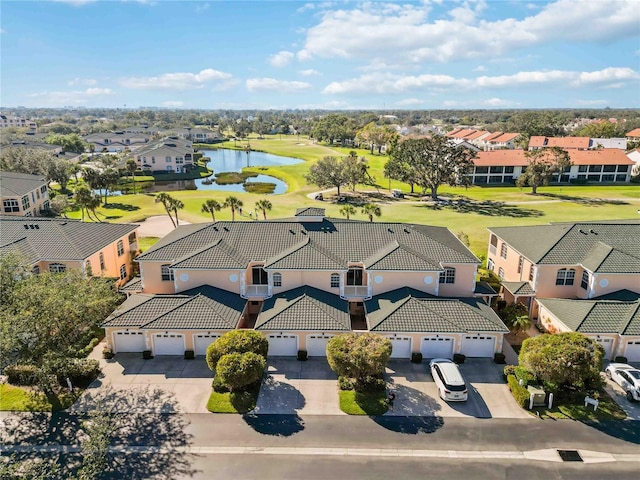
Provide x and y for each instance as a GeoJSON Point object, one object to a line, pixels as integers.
{"type": "Point", "coordinates": [151, 279]}
{"type": "Point", "coordinates": [464, 284]}
{"type": "Point", "coordinates": [197, 278]}
{"type": "Point", "coordinates": [36, 201]}
{"type": "Point", "coordinates": [510, 264]}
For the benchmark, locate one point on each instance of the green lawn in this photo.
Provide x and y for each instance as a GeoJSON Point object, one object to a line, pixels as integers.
{"type": "Point", "coordinates": [363, 403]}
{"type": "Point", "coordinates": [240, 402]}
{"type": "Point", "coordinates": [22, 400]}
{"type": "Point", "coordinates": [608, 409]}
{"type": "Point", "coordinates": [145, 243]}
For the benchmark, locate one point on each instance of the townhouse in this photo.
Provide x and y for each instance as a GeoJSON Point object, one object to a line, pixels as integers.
{"type": "Point", "coordinates": [581, 277]}
{"type": "Point", "coordinates": [195, 134]}
{"type": "Point", "coordinates": [55, 245]}
{"type": "Point", "coordinates": [23, 194]}
{"type": "Point", "coordinates": [483, 139]}
{"type": "Point", "coordinates": [116, 141]}
{"type": "Point", "coordinates": [304, 279]}
{"type": "Point", "coordinates": [170, 154]}
{"type": "Point", "coordinates": [579, 143]}
{"type": "Point", "coordinates": [7, 121]}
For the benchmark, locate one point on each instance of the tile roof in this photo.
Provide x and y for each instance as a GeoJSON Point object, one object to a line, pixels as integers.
{"type": "Point", "coordinates": [295, 244]}
{"type": "Point", "coordinates": [502, 138]}
{"type": "Point", "coordinates": [484, 288]}
{"type": "Point", "coordinates": [13, 184]}
{"type": "Point", "coordinates": [200, 308]}
{"type": "Point", "coordinates": [497, 158]}
{"type": "Point", "coordinates": [607, 156]}
{"type": "Point", "coordinates": [133, 285]}
{"type": "Point", "coordinates": [410, 310]}
{"type": "Point", "coordinates": [568, 142]}
{"type": "Point", "coordinates": [602, 247]}
{"type": "Point", "coordinates": [597, 315]}
{"type": "Point", "coordinates": [310, 212]}
{"type": "Point", "coordinates": [537, 141]}
{"type": "Point", "coordinates": [519, 288]}
{"type": "Point", "coordinates": [634, 133]}
{"type": "Point", "coordinates": [304, 308]}
{"type": "Point", "coordinates": [55, 239]}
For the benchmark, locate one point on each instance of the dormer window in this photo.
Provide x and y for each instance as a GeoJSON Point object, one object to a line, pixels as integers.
{"type": "Point", "coordinates": [259, 275]}
{"type": "Point", "coordinates": [354, 276]}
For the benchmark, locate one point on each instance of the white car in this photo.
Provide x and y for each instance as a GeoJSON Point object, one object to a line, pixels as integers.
{"type": "Point", "coordinates": [627, 377]}
{"type": "Point", "coordinates": [451, 385]}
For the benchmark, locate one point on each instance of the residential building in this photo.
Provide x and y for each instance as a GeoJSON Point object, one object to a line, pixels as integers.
{"type": "Point", "coordinates": [23, 194]}
{"type": "Point", "coordinates": [55, 245]}
{"type": "Point", "coordinates": [485, 140]}
{"type": "Point", "coordinates": [13, 121]}
{"type": "Point", "coordinates": [170, 154]}
{"type": "Point", "coordinates": [304, 279]}
{"type": "Point", "coordinates": [566, 143]}
{"type": "Point", "coordinates": [633, 135]}
{"type": "Point", "coordinates": [195, 134]}
{"type": "Point", "coordinates": [576, 262]}
{"type": "Point", "coordinates": [116, 141]}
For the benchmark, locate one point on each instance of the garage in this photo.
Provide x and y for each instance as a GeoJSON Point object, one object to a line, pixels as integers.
{"type": "Point", "coordinates": [128, 342]}
{"type": "Point", "coordinates": [607, 344]}
{"type": "Point", "coordinates": [168, 344]}
{"type": "Point", "coordinates": [401, 347]}
{"type": "Point", "coordinates": [478, 346]}
{"type": "Point", "coordinates": [202, 340]}
{"type": "Point", "coordinates": [632, 351]}
{"type": "Point", "coordinates": [436, 347]}
{"type": "Point", "coordinates": [317, 345]}
{"type": "Point", "coordinates": [283, 345]}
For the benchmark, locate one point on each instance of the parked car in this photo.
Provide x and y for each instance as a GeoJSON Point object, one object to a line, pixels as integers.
{"type": "Point", "coordinates": [451, 385]}
{"type": "Point", "coordinates": [319, 196]}
{"type": "Point", "coordinates": [397, 193]}
{"type": "Point", "coordinates": [627, 377]}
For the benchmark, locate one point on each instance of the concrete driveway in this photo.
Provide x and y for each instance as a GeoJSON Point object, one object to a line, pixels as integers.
{"type": "Point", "coordinates": [294, 387]}
{"type": "Point", "coordinates": [417, 394]}
{"type": "Point", "coordinates": [632, 409]}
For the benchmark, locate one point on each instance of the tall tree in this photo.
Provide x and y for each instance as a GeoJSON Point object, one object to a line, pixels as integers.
{"type": "Point", "coordinates": [84, 199]}
{"type": "Point", "coordinates": [371, 210]}
{"type": "Point", "coordinates": [110, 178]}
{"type": "Point", "coordinates": [132, 166]}
{"type": "Point", "coordinates": [542, 165]}
{"type": "Point", "coordinates": [263, 205]}
{"type": "Point", "coordinates": [166, 200]}
{"type": "Point", "coordinates": [354, 170]}
{"type": "Point", "coordinates": [347, 211]}
{"type": "Point", "coordinates": [211, 206]}
{"type": "Point", "coordinates": [71, 142]}
{"type": "Point", "coordinates": [59, 170]}
{"type": "Point", "coordinates": [327, 172]}
{"type": "Point", "coordinates": [176, 205]}
{"type": "Point", "coordinates": [234, 204]}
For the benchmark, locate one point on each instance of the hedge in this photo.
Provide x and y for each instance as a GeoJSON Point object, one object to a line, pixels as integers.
{"type": "Point", "coordinates": [519, 392]}
{"type": "Point", "coordinates": [22, 374]}
{"type": "Point", "coordinates": [81, 372]}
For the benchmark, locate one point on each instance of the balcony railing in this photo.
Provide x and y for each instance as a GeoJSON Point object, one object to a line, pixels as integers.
{"type": "Point", "coordinates": [256, 291]}
{"type": "Point", "coordinates": [358, 291]}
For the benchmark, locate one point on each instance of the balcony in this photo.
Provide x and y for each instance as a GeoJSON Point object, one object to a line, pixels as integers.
{"type": "Point", "coordinates": [256, 291]}
{"type": "Point", "coordinates": [356, 291]}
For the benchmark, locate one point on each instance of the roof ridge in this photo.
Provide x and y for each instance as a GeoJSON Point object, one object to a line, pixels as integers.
{"type": "Point", "coordinates": [400, 303]}
{"type": "Point", "coordinates": [158, 249]}
{"type": "Point", "coordinates": [187, 300]}
{"type": "Point", "coordinates": [326, 252]}
{"type": "Point", "coordinates": [287, 251]}
{"type": "Point", "coordinates": [632, 313]}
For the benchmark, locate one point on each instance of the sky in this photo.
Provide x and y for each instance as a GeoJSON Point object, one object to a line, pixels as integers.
{"type": "Point", "coordinates": [423, 55]}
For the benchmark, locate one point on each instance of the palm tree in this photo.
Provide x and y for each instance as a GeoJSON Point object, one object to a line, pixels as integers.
{"type": "Point", "coordinates": [166, 200]}
{"type": "Point", "coordinates": [263, 205]}
{"type": "Point", "coordinates": [234, 204]}
{"type": "Point", "coordinates": [211, 206]}
{"type": "Point", "coordinates": [348, 210]}
{"type": "Point", "coordinates": [93, 203]}
{"type": "Point", "coordinates": [132, 166]}
{"type": "Point", "coordinates": [371, 210]}
{"type": "Point", "coordinates": [176, 205]}
{"type": "Point", "coordinates": [83, 198]}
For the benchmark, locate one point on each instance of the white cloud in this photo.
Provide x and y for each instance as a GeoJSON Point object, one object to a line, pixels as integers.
{"type": "Point", "coordinates": [74, 97]}
{"type": "Point", "coordinates": [176, 81]}
{"type": "Point", "coordinates": [499, 102]}
{"type": "Point", "coordinates": [173, 104]}
{"type": "Point", "coordinates": [82, 81]}
{"type": "Point", "coordinates": [370, 31]}
{"type": "Point", "coordinates": [480, 68]}
{"type": "Point", "coordinates": [409, 102]}
{"type": "Point", "coordinates": [273, 85]}
{"type": "Point", "coordinates": [305, 7]}
{"type": "Point", "coordinates": [281, 59]}
{"type": "Point", "coordinates": [310, 72]}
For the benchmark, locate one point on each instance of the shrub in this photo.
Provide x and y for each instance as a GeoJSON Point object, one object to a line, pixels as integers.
{"type": "Point", "coordinates": [416, 357]}
{"type": "Point", "coordinates": [621, 359]}
{"type": "Point", "coordinates": [83, 352]}
{"type": "Point", "coordinates": [508, 370]}
{"type": "Point", "coordinates": [107, 353]}
{"type": "Point", "coordinates": [146, 354]}
{"type": "Point", "coordinates": [81, 371]}
{"type": "Point", "coordinates": [22, 374]}
{"type": "Point", "coordinates": [499, 358]}
{"type": "Point", "coordinates": [521, 373]}
{"type": "Point", "coordinates": [519, 392]}
{"type": "Point", "coordinates": [237, 341]}
{"type": "Point", "coordinates": [358, 356]}
{"type": "Point", "coordinates": [346, 383]}
{"type": "Point", "coordinates": [370, 384]}
{"type": "Point", "coordinates": [218, 386]}
{"type": "Point", "coordinates": [458, 358]}
{"type": "Point", "coordinates": [189, 355]}
{"type": "Point", "coordinates": [302, 355]}
{"type": "Point", "coordinates": [237, 370]}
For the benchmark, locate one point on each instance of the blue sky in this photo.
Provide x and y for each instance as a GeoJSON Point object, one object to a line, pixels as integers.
{"type": "Point", "coordinates": [332, 55]}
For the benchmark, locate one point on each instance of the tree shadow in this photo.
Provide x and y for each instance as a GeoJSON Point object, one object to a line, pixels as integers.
{"type": "Point", "coordinates": [487, 208]}
{"type": "Point", "coordinates": [121, 206]}
{"type": "Point", "coordinates": [274, 424]}
{"type": "Point", "coordinates": [278, 397]}
{"type": "Point", "coordinates": [583, 200]}
{"type": "Point", "coordinates": [627, 430]}
{"type": "Point", "coordinates": [410, 425]}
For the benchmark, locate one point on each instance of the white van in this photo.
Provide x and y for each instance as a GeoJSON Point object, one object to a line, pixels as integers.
{"type": "Point", "coordinates": [451, 385]}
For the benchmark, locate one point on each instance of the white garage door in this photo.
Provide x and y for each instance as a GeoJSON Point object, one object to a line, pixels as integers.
{"type": "Point", "coordinates": [401, 347]}
{"type": "Point", "coordinates": [202, 341]}
{"type": "Point", "coordinates": [128, 342]}
{"type": "Point", "coordinates": [607, 344]}
{"type": "Point", "coordinates": [632, 352]}
{"type": "Point", "coordinates": [317, 345]}
{"type": "Point", "coordinates": [478, 345]}
{"type": "Point", "coordinates": [283, 345]}
{"type": "Point", "coordinates": [168, 344]}
{"type": "Point", "coordinates": [440, 347]}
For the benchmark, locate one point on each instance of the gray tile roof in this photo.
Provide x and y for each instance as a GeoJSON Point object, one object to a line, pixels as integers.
{"type": "Point", "coordinates": [519, 288]}
{"type": "Point", "coordinates": [304, 308]}
{"type": "Point", "coordinates": [484, 288]}
{"type": "Point", "coordinates": [409, 310]}
{"type": "Point", "coordinates": [200, 308]}
{"type": "Point", "coordinates": [597, 315]}
{"type": "Point", "coordinates": [56, 239]}
{"type": "Point", "coordinates": [14, 184]}
{"type": "Point", "coordinates": [310, 212]}
{"type": "Point", "coordinates": [133, 285]}
{"type": "Point", "coordinates": [295, 244]}
{"type": "Point", "coordinates": [602, 247]}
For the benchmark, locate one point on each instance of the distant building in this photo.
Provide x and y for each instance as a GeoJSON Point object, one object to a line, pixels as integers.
{"type": "Point", "coordinates": [116, 141]}
{"type": "Point", "coordinates": [23, 194]}
{"type": "Point", "coordinates": [12, 121]}
{"type": "Point", "coordinates": [171, 154]}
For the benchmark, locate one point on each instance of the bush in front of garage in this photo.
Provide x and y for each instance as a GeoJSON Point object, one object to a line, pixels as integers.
{"type": "Point", "coordinates": [236, 341]}
{"type": "Point", "coordinates": [416, 357]}
{"type": "Point", "coordinates": [22, 374]}
{"type": "Point", "coordinates": [359, 356]}
{"type": "Point", "coordinates": [519, 392]}
{"type": "Point", "coordinates": [80, 371]}
{"type": "Point", "coordinates": [238, 370]}
{"type": "Point", "coordinates": [459, 358]}
{"type": "Point", "coordinates": [621, 359]}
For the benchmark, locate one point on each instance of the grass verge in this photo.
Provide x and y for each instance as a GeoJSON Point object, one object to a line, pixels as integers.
{"type": "Point", "coordinates": [19, 399]}
{"type": "Point", "coordinates": [608, 409]}
{"type": "Point", "coordinates": [234, 402]}
{"type": "Point", "coordinates": [363, 403]}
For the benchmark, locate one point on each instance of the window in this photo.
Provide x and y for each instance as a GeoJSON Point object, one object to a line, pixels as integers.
{"type": "Point", "coordinates": [35, 270]}
{"type": "Point", "coordinates": [167, 159]}
{"type": "Point", "coordinates": [582, 168]}
{"type": "Point", "coordinates": [565, 276]}
{"type": "Point", "coordinates": [494, 241]}
{"type": "Point", "coordinates": [503, 250]}
{"type": "Point", "coordinates": [120, 245]}
{"type": "Point", "coordinates": [102, 265]}
{"type": "Point", "coordinates": [490, 264]}
{"type": "Point", "coordinates": [179, 160]}
{"type": "Point", "coordinates": [448, 276]}
{"type": "Point", "coordinates": [46, 205]}
{"type": "Point", "coordinates": [87, 267]}
{"type": "Point", "coordinates": [623, 168]}
{"type": "Point", "coordinates": [609, 168]}
{"type": "Point", "coordinates": [259, 276]}
{"type": "Point", "coordinates": [501, 273]}
{"type": "Point", "coordinates": [11, 205]}
{"type": "Point", "coordinates": [496, 169]}
{"type": "Point", "coordinates": [354, 276]}
{"type": "Point", "coordinates": [482, 169]}
{"type": "Point", "coordinates": [335, 280]}
{"type": "Point", "coordinates": [153, 159]}
{"type": "Point", "coordinates": [584, 283]}
{"type": "Point", "coordinates": [43, 189]}
{"type": "Point", "coordinates": [277, 279]}
{"type": "Point", "coordinates": [167, 274]}
{"type": "Point", "coordinates": [520, 264]}
{"type": "Point", "coordinates": [508, 169]}
{"type": "Point", "coordinates": [132, 237]}
{"type": "Point", "coordinates": [123, 272]}
{"type": "Point", "coordinates": [57, 268]}
{"type": "Point", "coordinates": [532, 273]}
{"type": "Point", "coordinates": [25, 202]}
{"type": "Point", "coordinates": [595, 168]}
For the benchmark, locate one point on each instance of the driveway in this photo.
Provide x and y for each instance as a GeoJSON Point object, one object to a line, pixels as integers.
{"type": "Point", "coordinates": [157, 226]}
{"type": "Point", "coordinates": [294, 387]}
{"type": "Point", "coordinates": [417, 394]}
{"type": "Point", "coordinates": [632, 409]}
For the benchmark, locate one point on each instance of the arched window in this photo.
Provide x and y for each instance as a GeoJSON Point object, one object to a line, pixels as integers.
{"type": "Point", "coordinates": [57, 268]}
{"type": "Point", "coordinates": [120, 248]}
{"type": "Point", "coordinates": [448, 276]}
{"type": "Point", "coordinates": [565, 276]}
{"type": "Point", "coordinates": [335, 280]}
{"type": "Point", "coordinates": [277, 279]}
{"type": "Point", "coordinates": [501, 273]}
{"type": "Point", "coordinates": [123, 272]}
{"type": "Point", "coordinates": [167, 274]}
